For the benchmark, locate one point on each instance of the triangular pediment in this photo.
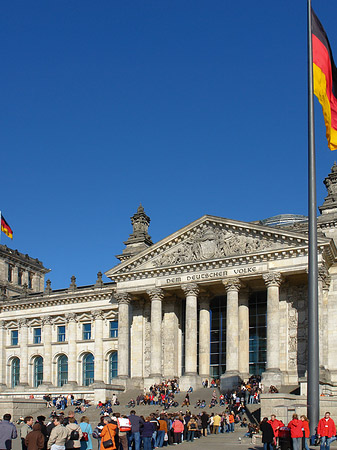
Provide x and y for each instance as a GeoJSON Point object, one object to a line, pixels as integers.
{"type": "Point", "coordinates": [209, 239]}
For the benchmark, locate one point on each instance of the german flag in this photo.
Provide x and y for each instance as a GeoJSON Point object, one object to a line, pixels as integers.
{"type": "Point", "coordinates": [6, 228]}
{"type": "Point", "coordinates": [325, 79]}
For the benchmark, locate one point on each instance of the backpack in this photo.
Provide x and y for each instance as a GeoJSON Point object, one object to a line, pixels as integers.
{"type": "Point", "coordinates": [124, 424]}
{"type": "Point", "coordinates": [74, 435]}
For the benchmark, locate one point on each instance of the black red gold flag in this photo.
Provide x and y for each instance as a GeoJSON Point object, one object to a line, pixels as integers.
{"type": "Point", "coordinates": [6, 228]}
{"type": "Point", "coordinates": [325, 79]}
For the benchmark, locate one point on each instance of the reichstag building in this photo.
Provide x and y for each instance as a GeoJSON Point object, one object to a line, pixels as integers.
{"type": "Point", "coordinates": [218, 298]}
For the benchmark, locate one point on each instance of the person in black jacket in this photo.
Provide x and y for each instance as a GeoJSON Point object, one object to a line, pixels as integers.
{"type": "Point", "coordinates": [267, 434]}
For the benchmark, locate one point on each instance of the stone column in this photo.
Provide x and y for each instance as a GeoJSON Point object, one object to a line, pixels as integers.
{"type": "Point", "coordinates": [156, 296]}
{"type": "Point", "coordinates": [72, 352]}
{"type": "Point", "coordinates": [47, 349]}
{"type": "Point", "coordinates": [2, 354]}
{"type": "Point", "coordinates": [23, 342]}
{"type": "Point", "coordinates": [324, 281]}
{"type": "Point", "coordinates": [123, 300]}
{"type": "Point", "coordinates": [244, 333]}
{"type": "Point", "coordinates": [137, 341]}
{"type": "Point", "coordinates": [191, 291]}
{"type": "Point", "coordinates": [232, 287]}
{"type": "Point", "coordinates": [170, 338]}
{"type": "Point", "coordinates": [98, 318]}
{"type": "Point", "coordinates": [204, 335]}
{"type": "Point", "coordinates": [273, 374]}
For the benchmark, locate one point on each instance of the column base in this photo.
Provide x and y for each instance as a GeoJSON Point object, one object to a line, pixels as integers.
{"type": "Point", "coordinates": [272, 377]}
{"type": "Point", "coordinates": [98, 384]}
{"type": "Point", "coordinates": [230, 380]}
{"type": "Point", "coordinates": [189, 379]}
{"type": "Point", "coordinates": [70, 384]}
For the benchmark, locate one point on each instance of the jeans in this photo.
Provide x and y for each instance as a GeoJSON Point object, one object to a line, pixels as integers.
{"type": "Point", "coordinates": [134, 437]}
{"type": "Point", "coordinates": [325, 443]}
{"type": "Point", "coordinates": [231, 427]}
{"type": "Point", "coordinates": [147, 445]}
{"type": "Point", "coordinates": [267, 446]}
{"type": "Point", "coordinates": [306, 444]}
{"type": "Point", "coordinates": [296, 443]}
{"type": "Point", "coordinates": [190, 436]}
{"type": "Point", "coordinates": [160, 438]}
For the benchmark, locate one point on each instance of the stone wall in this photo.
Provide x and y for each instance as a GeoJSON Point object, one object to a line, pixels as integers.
{"type": "Point", "coordinates": [20, 407]}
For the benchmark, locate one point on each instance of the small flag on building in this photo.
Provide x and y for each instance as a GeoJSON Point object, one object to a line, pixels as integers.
{"type": "Point", "coordinates": [325, 79]}
{"type": "Point", "coordinates": [6, 228]}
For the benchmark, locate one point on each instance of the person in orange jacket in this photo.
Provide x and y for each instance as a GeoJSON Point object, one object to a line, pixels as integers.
{"type": "Point", "coordinates": [296, 434]}
{"type": "Point", "coordinates": [326, 430]}
{"type": "Point", "coordinates": [108, 434]}
{"type": "Point", "coordinates": [305, 431]}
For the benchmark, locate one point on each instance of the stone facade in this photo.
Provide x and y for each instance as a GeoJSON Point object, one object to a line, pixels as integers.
{"type": "Point", "coordinates": [171, 299]}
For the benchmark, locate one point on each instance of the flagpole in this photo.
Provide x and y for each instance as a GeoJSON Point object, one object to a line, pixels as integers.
{"type": "Point", "coordinates": [313, 336]}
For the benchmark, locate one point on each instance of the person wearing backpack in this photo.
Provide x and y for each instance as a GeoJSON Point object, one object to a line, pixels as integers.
{"type": "Point", "coordinates": [86, 442]}
{"type": "Point", "coordinates": [124, 427]}
{"type": "Point", "coordinates": [74, 434]}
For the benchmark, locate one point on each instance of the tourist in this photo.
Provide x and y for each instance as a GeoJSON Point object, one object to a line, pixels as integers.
{"type": "Point", "coordinates": [296, 434]}
{"type": "Point", "coordinates": [178, 429]}
{"type": "Point", "coordinates": [192, 427]}
{"type": "Point", "coordinates": [162, 430]}
{"type": "Point", "coordinates": [326, 430]}
{"type": "Point", "coordinates": [86, 442]}
{"type": "Point", "coordinates": [35, 439]}
{"type": "Point", "coordinates": [146, 434]}
{"type": "Point", "coordinates": [276, 425]}
{"type": "Point", "coordinates": [108, 434]}
{"type": "Point", "coordinates": [216, 423]}
{"type": "Point", "coordinates": [7, 432]}
{"type": "Point", "coordinates": [305, 431]}
{"type": "Point", "coordinates": [124, 427]}
{"type": "Point", "coordinates": [267, 434]}
{"type": "Point", "coordinates": [97, 432]}
{"type": "Point", "coordinates": [136, 423]}
{"type": "Point", "coordinates": [204, 423]}
{"type": "Point", "coordinates": [74, 434]}
{"type": "Point", "coordinates": [58, 435]}
{"type": "Point", "coordinates": [25, 429]}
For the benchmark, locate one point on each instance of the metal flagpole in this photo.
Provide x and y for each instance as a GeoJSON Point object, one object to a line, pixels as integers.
{"type": "Point", "coordinates": [313, 336]}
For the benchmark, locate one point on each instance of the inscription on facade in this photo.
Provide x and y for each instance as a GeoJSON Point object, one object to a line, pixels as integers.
{"type": "Point", "coordinates": [201, 276]}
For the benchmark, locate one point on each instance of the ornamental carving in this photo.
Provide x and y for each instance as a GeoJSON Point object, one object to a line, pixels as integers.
{"type": "Point", "coordinates": [71, 317]}
{"type": "Point", "coordinates": [232, 284]}
{"type": "Point", "coordinates": [190, 289]}
{"type": "Point", "coordinates": [47, 320]}
{"type": "Point", "coordinates": [155, 294]}
{"type": "Point", "coordinates": [123, 298]}
{"type": "Point", "coordinates": [211, 243]}
{"type": "Point", "coordinates": [98, 314]}
{"type": "Point", "coordinates": [23, 322]}
{"type": "Point", "coordinates": [272, 279]}
{"type": "Point", "coordinates": [324, 277]}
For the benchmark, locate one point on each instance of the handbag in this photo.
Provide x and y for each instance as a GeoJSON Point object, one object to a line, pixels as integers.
{"type": "Point", "coordinates": [85, 436]}
{"type": "Point", "coordinates": [109, 443]}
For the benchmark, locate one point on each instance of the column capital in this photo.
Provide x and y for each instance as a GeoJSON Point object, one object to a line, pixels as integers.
{"type": "Point", "coordinates": [2, 324]}
{"type": "Point", "coordinates": [23, 323]}
{"type": "Point", "coordinates": [97, 315]}
{"type": "Point", "coordinates": [272, 279]}
{"type": "Point", "coordinates": [190, 289]}
{"type": "Point", "coordinates": [232, 284]}
{"type": "Point", "coordinates": [324, 277]}
{"type": "Point", "coordinates": [123, 298]}
{"type": "Point", "coordinates": [71, 317]}
{"type": "Point", "coordinates": [155, 294]}
{"type": "Point", "coordinates": [47, 320]}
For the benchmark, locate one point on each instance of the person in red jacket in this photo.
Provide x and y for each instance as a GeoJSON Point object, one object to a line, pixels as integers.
{"type": "Point", "coordinates": [296, 434]}
{"type": "Point", "coordinates": [305, 431]}
{"type": "Point", "coordinates": [326, 430]}
{"type": "Point", "coordinates": [276, 424]}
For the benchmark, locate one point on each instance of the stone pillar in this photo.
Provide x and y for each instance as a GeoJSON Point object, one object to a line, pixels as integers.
{"type": "Point", "coordinates": [156, 296]}
{"type": "Point", "coordinates": [137, 341]}
{"type": "Point", "coordinates": [123, 300]}
{"type": "Point", "coordinates": [23, 342]}
{"type": "Point", "coordinates": [232, 287]}
{"type": "Point", "coordinates": [170, 339]}
{"type": "Point", "coordinates": [191, 291]}
{"type": "Point", "coordinates": [204, 335]}
{"type": "Point", "coordinates": [72, 353]}
{"type": "Point", "coordinates": [273, 375]}
{"type": "Point", "coordinates": [324, 281]}
{"type": "Point", "coordinates": [98, 318]}
{"type": "Point", "coordinates": [2, 354]}
{"type": "Point", "coordinates": [47, 350]}
{"type": "Point", "coordinates": [244, 333]}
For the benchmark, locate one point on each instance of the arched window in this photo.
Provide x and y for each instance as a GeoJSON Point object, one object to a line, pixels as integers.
{"type": "Point", "coordinates": [15, 372]}
{"type": "Point", "coordinates": [38, 371]}
{"type": "Point", "coordinates": [113, 365]}
{"type": "Point", "coordinates": [88, 369]}
{"type": "Point", "coordinates": [62, 370]}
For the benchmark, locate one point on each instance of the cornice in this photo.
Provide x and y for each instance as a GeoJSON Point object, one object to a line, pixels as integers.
{"type": "Point", "coordinates": [44, 301]}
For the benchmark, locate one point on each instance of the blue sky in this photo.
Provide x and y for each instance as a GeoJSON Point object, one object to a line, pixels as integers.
{"type": "Point", "coordinates": [189, 107]}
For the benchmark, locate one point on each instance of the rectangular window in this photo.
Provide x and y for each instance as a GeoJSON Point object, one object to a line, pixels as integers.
{"type": "Point", "coordinates": [61, 333]}
{"type": "Point", "coordinates": [113, 328]}
{"type": "Point", "coordinates": [86, 331]}
{"type": "Point", "coordinates": [10, 273]}
{"type": "Point", "coordinates": [19, 277]}
{"type": "Point", "coordinates": [14, 337]}
{"type": "Point", "coordinates": [29, 280]}
{"type": "Point", "coordinates": [37, 336]}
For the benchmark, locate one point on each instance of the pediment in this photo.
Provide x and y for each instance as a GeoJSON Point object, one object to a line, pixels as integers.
{"type": "Point", "coordinates": [210, 239]}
